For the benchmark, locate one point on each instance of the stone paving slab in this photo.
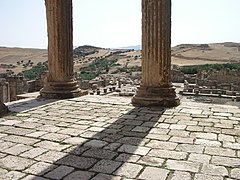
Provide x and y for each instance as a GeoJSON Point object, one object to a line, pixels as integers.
{"type": "Point", "coordinates": [106, 138]}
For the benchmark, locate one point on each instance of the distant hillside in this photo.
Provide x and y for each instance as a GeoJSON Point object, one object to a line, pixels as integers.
{"type": "Point", "coordinates": [137, 47]}
{"type": "Point", "coordinates": [19, 59]}
{"type": "Point", "coordinates": [196, 54]}
{"type": "Point", "coordinates": [85, 50]}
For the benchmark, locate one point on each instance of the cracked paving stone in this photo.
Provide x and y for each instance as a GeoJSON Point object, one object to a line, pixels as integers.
{"type": "Point", "coordinates": [231, 145]}
{"type": "Point", "coordinates": [220, 151]}
{"type": "Point", "coordinates": [51, 145]}
{"type": "Point", "coordinates": [106, 166]}
{"type": "Point", "coordinates": [75, 140]}
{"type": "Point", "coordinates": [128, 170]}
{"type": "Point", "coordinates": [184, 140]}
{"type": "Point", "coordinates": [201, 158]}
{"type": "Point", "coordinates": [235, 173]}
{"type": "Point", "coordinates": [12, 175]}
{"type": "Point", "coordinates": [15, 163]}
{"type": "Point", "coordinates": [40, 168]}
{"type": "Point", "coordinates": [112, 146]}
{"type": "Point", "coordinates": [134, 149]}
{"type": "Point", "coordinates": [225, 161]}
{"type": "Point", "coordinates": [190, 148]}
{"type": "Point", "coordinates": [141, 129]}
{"type": "Point", "coordinates": [76, 161]}
{"type": "Point", "coordinates": [55, 137]}
{"type": "Point", "coordinates": [179, 175]}
{"type": "Point", "coordinates": [168, 154]}
{"type": "Point", "coordinates": [5, 145]}
{"type": "Point", "coordinates": [76, 150]}
{"type": "Point", "coordinates": [214, 170]}
{"type": "Point", "coordinates": [206, 142]}
{"type": "Point", "coordinates": [154, 173]}
{"type": "Point", "coordinates": [207, 177]}
{"type": "Point", "coordinates": [151, 161]}
{"type": "Point", "coordinates": [95, 144]}
{"type": "Point", "coordinates": [183, 165]}
{"type": "Point", "coordinates": [21, 139]}
{"type": "Point", "coordinates": [127, 158]}
{"type": "Point", "coordinates": [10, 122]}
{"type": "Point", "coordinates": [51, 156]}
{"type": "Point", "coordinates": [59, 172]}
{"type": "Point", "coordinates": [36, 134]}
{"type": "Point", "coordinates": [80, 175]}
{"type": "Point", "coordinates": [17, 149]}
{"type": "Point", "coordinates": [32, 177]}
{"type": "Point", "coordinates": [100, 153]}
{"type": "Point", "coordinates": [19, 131]}
{"type": "Point", "coordinates": [71, 131]}
{"type": "Point", "coordinates": [34, 152]}
{"type": "Point", "coordinates": [226, 138]}
{"type": "Point", "coordinates": [101, 176]}
{"type": "Point", "coordinates": [209, 136]}
{"type": "Point", "coordinates": [132, 141]}
{"type": "Point", "coordinates": [162, 145]}
{"type": "Point", "coordinates": [3, 172]}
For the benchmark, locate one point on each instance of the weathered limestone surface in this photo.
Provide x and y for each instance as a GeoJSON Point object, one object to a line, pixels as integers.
{"type": "Point", "coordinates": [156, 88]}
{"type": "Point", "coordinates": [60, 82]}
{"type": "Point", "coordinates": [92, 137]}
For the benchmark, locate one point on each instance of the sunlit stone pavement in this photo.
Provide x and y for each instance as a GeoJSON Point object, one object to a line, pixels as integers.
{"type": "Point", "coordinates": [106, 138]}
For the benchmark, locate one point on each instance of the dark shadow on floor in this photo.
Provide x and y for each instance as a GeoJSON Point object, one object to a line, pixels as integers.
{"type": "Point", "coordinates": [27, 104]}
{"type": "Point", "coordinates": [98, 152]}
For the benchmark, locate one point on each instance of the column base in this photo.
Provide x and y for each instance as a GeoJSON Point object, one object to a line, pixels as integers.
{"type": "Point", "coordinates": [61, 90]}
{"type": "Point", "coordinates": [3, 109]}
{"type": "Point", "coordinates": [164, 96]}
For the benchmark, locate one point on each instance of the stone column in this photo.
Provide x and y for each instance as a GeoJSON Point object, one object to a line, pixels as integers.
{"type": "Point", "coordinates": [60, 82]}
{"type": "Point", "coordinates": [156, 88]}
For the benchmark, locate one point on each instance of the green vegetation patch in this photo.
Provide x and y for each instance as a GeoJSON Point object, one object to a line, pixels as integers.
{"type": "Point", "coordinates": [197, 68]}
{"type": "Point", "coordinates": [35, 71]}
{"type": "Point", "coordinates": [97, 67]}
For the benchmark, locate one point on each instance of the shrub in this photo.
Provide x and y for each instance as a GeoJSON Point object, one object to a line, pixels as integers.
{"type": "Point", "coordinates": [197, 68]}
{"type": "Point", "coordinates": [35, 71]}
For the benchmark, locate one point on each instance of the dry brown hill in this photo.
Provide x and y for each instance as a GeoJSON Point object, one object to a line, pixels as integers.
{"type": "Point", "coordinates": [196, 54]}
{"type": "Point", "coordinates": [12, 56]}
{"type": "Point", "coordinates": [185, 54]}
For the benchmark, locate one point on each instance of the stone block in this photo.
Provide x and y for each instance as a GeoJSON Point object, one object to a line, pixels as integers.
{"type": "Point", "coordinates": [154, 173]}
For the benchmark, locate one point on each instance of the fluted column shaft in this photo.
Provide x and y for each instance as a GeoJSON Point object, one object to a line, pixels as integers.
{"type": "Point", "coordinates": [156, 87]}
{"type": "Point", "coordinates": [156, 42]}
{"type": "Point", "coordinates": [60, 39]}
{"type": "Point", "coordinates": [60, 81]}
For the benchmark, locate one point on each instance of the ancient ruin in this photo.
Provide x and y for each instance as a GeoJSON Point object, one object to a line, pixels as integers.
{"type": "Point", "coordinates": [222, 83]}
{"type": "Point", "coordinates": [156, 87]}
{"type": "Point", "coordinates": [11, 86]}
{"type": "Point", "coordinates": [60, 82]}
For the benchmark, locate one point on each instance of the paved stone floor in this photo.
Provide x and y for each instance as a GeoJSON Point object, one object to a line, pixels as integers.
{"type": "Point", "coordinates": [106, 138]}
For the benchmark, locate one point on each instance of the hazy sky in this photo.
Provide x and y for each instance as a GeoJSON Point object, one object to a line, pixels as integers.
{"type": "Point", "coordinates": [117, 23]}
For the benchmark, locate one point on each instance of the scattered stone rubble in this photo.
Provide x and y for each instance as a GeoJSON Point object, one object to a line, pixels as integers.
{"type": "Point", "coordinates": [224, 83]}
{"type": "Point", "coordinates": [106, 84]}
{"type": "Point", "coordinates": [11, 86]}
